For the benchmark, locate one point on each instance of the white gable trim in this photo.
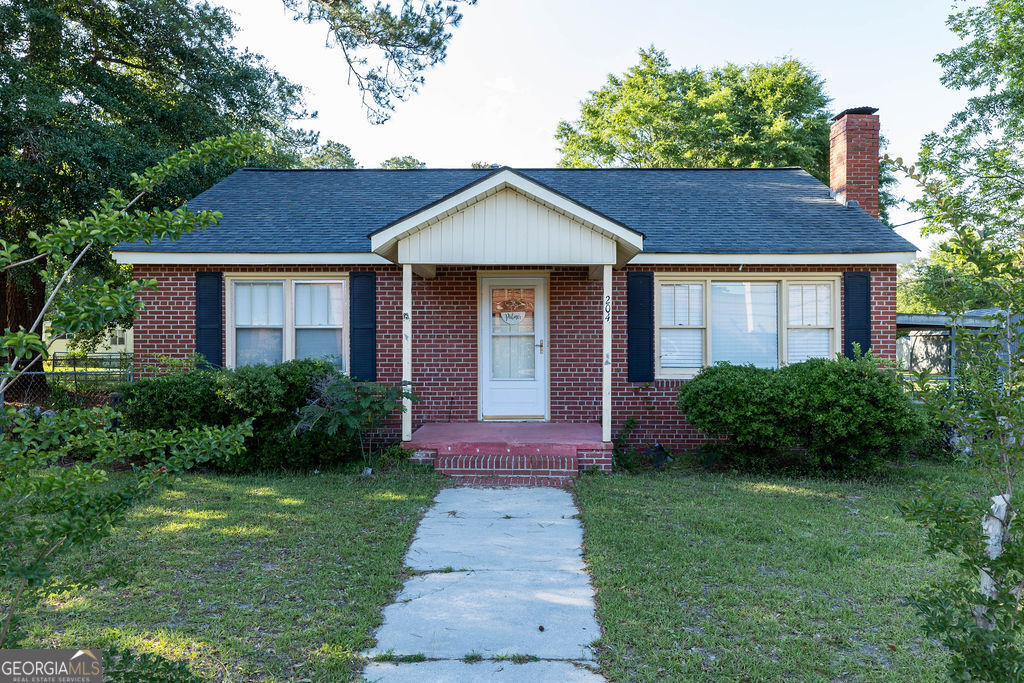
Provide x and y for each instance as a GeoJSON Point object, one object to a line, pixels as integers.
{"type": "Point", "coordinates": [246, 259]}
{"type": "Point", "coordinates": [878, 257]}
{"type": "Point", "coordinates": [385, 242]}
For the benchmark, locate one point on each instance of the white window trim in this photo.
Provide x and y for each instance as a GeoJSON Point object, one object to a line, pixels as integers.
{"type": "Point", "coordinates": [288, 281]}
{"type": "Point", "coordinates": [783, 280]}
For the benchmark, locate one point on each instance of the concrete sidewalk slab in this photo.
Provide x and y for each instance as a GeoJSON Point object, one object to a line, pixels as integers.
{"type": "Point", "coordinates": [538, 503]}
{"type": "Point", "coordinates": [479, 672]}
{"type": "Point", "coordinates": [492, 613]}
{"type": "Point", "coordinates": [503, 576]}
{"type": "Point", "coordinates": [495, 543]}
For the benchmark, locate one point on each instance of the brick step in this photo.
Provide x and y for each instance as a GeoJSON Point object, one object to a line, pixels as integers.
{"type": "Point", "coordinates": [506, 480]}
{"type": "Point", "coordinates": [508, 470]}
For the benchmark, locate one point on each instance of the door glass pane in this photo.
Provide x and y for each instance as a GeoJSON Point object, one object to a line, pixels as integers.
{"type": "Point", "coordinates": [683, 348]}
{"type": "Point", "coordinates": [258, 345]}
{"type": "Point", "coordinates": [512, 309]}
{"type": "Point", "coordinates": [512, 357]}
{"type": "Point", "coordinates": [744, 323]}
{"type": "Point", "coordinates": [813, 343]}
{"type": "Point", "coordinates": [314, 343]}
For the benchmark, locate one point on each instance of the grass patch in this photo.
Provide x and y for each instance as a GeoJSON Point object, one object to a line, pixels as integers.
{"type": "Point", "coordinates": [390, 656]}
{"type": "Point", "coordinates": [472, 658]}
{"type": "Point", "coordinates": [275, 577]}
{"type": "Point", "coordinates": [758, 577]}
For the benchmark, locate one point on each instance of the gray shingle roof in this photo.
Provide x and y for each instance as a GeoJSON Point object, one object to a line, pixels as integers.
{"type": "Point", "coordinates": [704, 211]}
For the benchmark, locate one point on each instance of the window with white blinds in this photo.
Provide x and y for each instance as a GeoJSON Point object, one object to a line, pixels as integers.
{"type": "Point", "coordinates": [762, 321]}
{"type": "Point", "coordinates": [259, 322]}
{"type": "Point", "coordinates": [319, 321]}
{"type": "Point", "coordinates": [810, 321]}
{"type": "Point", "coordinates": [273, 320]}
{"type": "Point", "coordinates": [681, 326]}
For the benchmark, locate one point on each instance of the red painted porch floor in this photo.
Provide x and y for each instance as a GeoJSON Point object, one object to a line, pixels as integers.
{"type": "Point", "coordinates": [513, 438]}
{"type": "Point", "coordinates": [510, 453]}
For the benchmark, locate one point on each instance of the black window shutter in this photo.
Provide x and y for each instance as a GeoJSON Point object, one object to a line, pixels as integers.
{"type": "Point", "coordinates": [209, 317]}
{"type": "Point", "coordinates": [856, 311]}
{"type": "Point", "coordinates": [640, 326]}
{"type": "Point", "coordinates": [363, 326]}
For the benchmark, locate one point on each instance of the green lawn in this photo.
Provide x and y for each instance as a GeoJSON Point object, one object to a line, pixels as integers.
{"type": "Point", "coordinates": [275, 577]}
{"type": "Point", "coordinates": [702, 575]}
{"type": "Point", "coordinates": [698, 575]}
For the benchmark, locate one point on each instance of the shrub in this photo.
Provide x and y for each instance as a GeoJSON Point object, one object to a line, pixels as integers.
{"type": "Point", "coordinates": [342, 407]}
{"type": "Point", "coordinates": [269, 395]}
{"type": "Point", "coordinates": [743, 403]}
{"type": "Point", "coordinates": [840, 415]}
{"type": "Point", "coordinates": [848, 414]}
{"type": "Point", "coordinates": [182, 400]}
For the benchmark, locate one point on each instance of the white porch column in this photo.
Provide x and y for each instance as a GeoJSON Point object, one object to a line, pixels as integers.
{"type": "Point", "coordinates": [406, 348]}
{"type": "Point", "coordinates": [606, 365]}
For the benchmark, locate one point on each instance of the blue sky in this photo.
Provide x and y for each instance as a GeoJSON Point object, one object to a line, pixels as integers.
{"type": "Point", "coordinates": [517, 67]}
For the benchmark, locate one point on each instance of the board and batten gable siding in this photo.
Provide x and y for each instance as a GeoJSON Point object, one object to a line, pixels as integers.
{"type": "Point", "coordinates": [445, 338]}
{"type": "Point", "coordinates": [506, 227]}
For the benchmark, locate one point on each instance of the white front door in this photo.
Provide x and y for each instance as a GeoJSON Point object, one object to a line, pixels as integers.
{"type": "Point", "coordinates": [513, 348]}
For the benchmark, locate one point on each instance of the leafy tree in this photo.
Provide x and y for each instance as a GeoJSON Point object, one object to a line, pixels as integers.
{"type": "Point", "coordinates": [972, 177]}
{"type": "Point", "coordinates": [654, 116]}
{"type": "Point", "coordinates": [386, 52]}
{"type": "Point", "coordinates": [402, 163]}
{"type": "Point", "coordinates": [483, 164]}
{"type": "Point", "coordinates": [979, 158]}
{"type": "Point", "coordinates": [925, 285]}
{"type": "Point", "coordinates": [978, 620]}
{"type": "Point", "coordinates": [48, 507]}
{"type": "Point", "coordinates": [330, 154]}
{"type": "Point", "coordinates": [91, 92]}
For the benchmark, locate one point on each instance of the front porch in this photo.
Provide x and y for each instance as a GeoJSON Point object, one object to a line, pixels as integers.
{"type": "Point", "coordinates": [511, 453]}
{"type": "Point", "coordinates": [511, 309]}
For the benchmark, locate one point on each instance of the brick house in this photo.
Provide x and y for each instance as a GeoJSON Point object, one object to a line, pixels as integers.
{"type": "Point", "coordinates": [533, 310]}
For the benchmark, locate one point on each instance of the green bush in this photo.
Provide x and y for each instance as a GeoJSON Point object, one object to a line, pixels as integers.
{"type": "Point", "coordinates": [185, 400]}
{"type": "Point", "coordinates": [848, 414]}
{"type": "Point", "coordinates": [822, 415]}
{"type": "Point", "coordinates": [350, 410]}
{"type": "Point", "coordinates": [269, 395]}
{"type": "Point", "coordinates": [741, 402]}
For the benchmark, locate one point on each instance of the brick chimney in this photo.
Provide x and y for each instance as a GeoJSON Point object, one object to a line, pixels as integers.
{"type": "Point", "coordinates": [853, 158]}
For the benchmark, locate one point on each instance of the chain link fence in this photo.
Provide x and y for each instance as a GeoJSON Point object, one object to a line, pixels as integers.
{"type": "Point", "coordinates": [71, 381]}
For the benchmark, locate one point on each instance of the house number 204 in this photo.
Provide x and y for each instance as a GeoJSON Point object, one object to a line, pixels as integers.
{"type": "Point", "coordinates": [608, 308]}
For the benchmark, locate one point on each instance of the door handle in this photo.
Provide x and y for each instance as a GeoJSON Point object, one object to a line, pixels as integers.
{"type": "Point", "coordinates": [540, 346]}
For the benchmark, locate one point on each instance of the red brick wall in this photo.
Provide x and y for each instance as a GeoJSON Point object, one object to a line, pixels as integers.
{"type": "Point", "coordinates": [654, 404]}
{"type": "Point", "coordinates": [853, 160]}
{"type": "Point", "coordinates": [445, 339]}
{"type": "Point", "coordinates": [445, 334]}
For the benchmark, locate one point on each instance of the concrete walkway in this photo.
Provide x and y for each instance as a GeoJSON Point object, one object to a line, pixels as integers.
{"type": "Point", "coordinates": [501, 576]}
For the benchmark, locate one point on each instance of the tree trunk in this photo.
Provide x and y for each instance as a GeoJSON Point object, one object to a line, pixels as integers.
{"type": "Point", "coordinates": [22, 300]}
{"type": "Point", "coordinates": [993, 526]}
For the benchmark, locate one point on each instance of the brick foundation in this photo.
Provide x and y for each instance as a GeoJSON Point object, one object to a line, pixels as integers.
{"type": "Point", "coordinates": [445, 341]}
